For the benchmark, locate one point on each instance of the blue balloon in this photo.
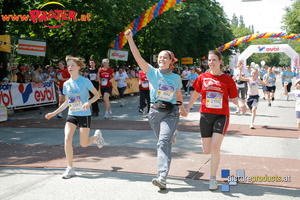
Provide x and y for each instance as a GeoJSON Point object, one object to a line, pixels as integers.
{"type": "Point", "coordinates": [155, 12]}
{"type": "Point", "coordinates": [134, 28]}
{"type": "Point", "coordinates": [157, 7]}
{"type": "Point", "coordinates": [116, 43]}
{"type": "Point", "coordinates": [116, 48]}
{"type": "Point", "coordinates": [136, 24]}
{"type": "Point", "coordinates": [159, 3]}
{"type": "Point", "coordinates": [178, 1]}
{"type": "Point", "coordinates": [134, 32]}
{"type": "Point", "coordinates": [117, 39]}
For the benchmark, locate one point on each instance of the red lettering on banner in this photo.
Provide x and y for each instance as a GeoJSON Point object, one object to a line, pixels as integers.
{"type": "Point", "coordinates": [117, 55]}
{"type": "Point", "coordinates": [41, 96]}
{"type": "Point", "coordinates": [37, 85]}
{"type": "Point", "coordinates": [6, 99]}
{"type": "Point", "coordinates": [296, 63]}
{"type": "Point", "coordinates": [272, 49]}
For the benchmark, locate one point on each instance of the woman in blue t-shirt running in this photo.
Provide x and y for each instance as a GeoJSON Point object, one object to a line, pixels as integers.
{"type": "Point", "coordinates": [77, 90]}
{"type": "Point", "coordinates": [166, 99]}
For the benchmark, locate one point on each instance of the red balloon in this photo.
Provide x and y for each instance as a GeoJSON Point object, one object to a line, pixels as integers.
{"type": "Point", "coordinates": [163, 4]}
{"type": "Point", "coordinates": [166, 1]}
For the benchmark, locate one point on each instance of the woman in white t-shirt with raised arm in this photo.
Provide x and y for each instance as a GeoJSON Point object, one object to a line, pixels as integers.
{"type": "Point", "coordinates": [253, 98]}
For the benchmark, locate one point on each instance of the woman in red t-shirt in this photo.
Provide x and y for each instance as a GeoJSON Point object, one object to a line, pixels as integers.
{"type": "Point", "coordinates": [215, 87]}
{"type": "Point", "coordinates": [145, 92]}
{"type": "Point", "coordinates": [107, 76]}
{"type": "Point", "coordinates": [62, 76]}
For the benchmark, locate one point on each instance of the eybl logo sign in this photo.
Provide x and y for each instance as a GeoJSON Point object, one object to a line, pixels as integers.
{"type": "Point", "coordinates": [26, 93]}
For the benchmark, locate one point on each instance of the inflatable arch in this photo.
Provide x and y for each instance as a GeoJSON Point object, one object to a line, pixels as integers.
{"type": "Point", "coordinates": [285, 48]}
{"type": "Point", "coordinates": [256, 36]}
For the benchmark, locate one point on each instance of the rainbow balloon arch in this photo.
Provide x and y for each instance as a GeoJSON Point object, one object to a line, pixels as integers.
{"type": "Point", "coordinates": [142, 20]}
{"type": "Point", "coordinates": [256, 36]}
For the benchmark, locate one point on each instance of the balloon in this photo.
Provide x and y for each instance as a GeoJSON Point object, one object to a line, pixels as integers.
{"type": "Point", "coordinates": [262, 63]}
{"type": "Point", "coordinates": [256, 36]}
{"type": "Point", "coordinates": [143, 20]}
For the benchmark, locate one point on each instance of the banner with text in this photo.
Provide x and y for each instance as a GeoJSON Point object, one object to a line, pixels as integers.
{"type": "Point", "coordinates": [118, 55]}
{"type": "Point", "coordinates": [23, 94]}
{"type": "Point", "coordinates": [30, 47]}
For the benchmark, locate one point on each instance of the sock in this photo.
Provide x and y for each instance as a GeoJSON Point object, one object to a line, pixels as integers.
{"type": "Point", "coordinates": [212, 177]}
{"type": "Point", "coordinates": [106, 112]}
{"type": "Point", "coordinates": [110, 112]}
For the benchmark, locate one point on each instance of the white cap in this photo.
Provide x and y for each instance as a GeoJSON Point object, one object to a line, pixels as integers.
{"type": "Point", "coordinates": [298, 80]}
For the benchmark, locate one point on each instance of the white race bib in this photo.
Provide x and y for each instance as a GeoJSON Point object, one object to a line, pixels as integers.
{"type": "Point", "coordinates": [165, 92]}
{"type": "Point", "coordinates": [75, 103]}
{"type": "Point", "coordinates": [145, 84]}
{"type": "Point", "coordinates": [59, 76]}
{"type": "Point", "coordinates": [93, 77]}
{"type": "Point", "coordinates": [104, 81]}
{"type": "Point", "coordinates": [214, 100]}
{"type": "Point", "coordinates": [297, 102]}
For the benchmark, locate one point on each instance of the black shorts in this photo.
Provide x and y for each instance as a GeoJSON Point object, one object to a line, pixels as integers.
{"type": "Point", "coordinates": [288, 87]}
{"type": "Point", "coordinates": [252, 101]}
{"type": "Point", "coordinates": [107, 90]}
{"type": "Point", "coordinates": [82, 121]}
{"type": "Point", "coordinates": [191, 89]}
{"type": "Point", "coordinates": [271, 89]}
{"type": "Point", "coordinates": [213, 123]}
{"type": "Point", "coordinates": [60, 91]}
{"type": "Point", "coordinates": [121, 91]}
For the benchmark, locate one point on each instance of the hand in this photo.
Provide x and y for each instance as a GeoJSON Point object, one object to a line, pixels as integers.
{"type": "Point", "coordinates": [183, 113]}
{"type": "Point", "coordinates": [110, 80]}
{"type": "Point", "coordinates": [49, 115]}
{"type": "Point", "coordinates": [286, 83]}
{"type": "Point", "coordinates": [242, 106]}
{"type": "Point", "coordinates": [85, 106]}
{"type": "Point", "coordinates": [128, 34]}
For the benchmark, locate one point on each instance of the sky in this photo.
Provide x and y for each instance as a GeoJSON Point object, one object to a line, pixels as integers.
{"type": "Point", "coordinates": [264, 15]}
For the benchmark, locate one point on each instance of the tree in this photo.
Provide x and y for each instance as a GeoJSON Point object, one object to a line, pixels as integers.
{"type": "Point", "coordinates": [291, 18]}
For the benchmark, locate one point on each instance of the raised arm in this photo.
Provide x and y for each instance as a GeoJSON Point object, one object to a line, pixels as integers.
{"type": "Point", "coordinates": [136, 54]}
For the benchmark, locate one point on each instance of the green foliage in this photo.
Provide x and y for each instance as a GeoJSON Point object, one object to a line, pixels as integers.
{"type": "Point", "coordinates": [190, 29]}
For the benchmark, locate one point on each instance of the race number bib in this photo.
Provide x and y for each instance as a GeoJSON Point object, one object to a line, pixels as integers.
{"type": "Point", "coordinates": [121, 77]}
{"type": "Point", "coordinates": [93, 77]}
{"type": "Point", "coordinates": [59, 76]}
{"type": "Point", "coordinates": [104, 81]}
{"type": "Point", "coordinates": [75, 103]}
{"type": "Point", "coordinates": [214, 100]}
{"type": "Point", "coordinates": [165, 92]}
{"type": "Point", "coordinates": [254, 86]}
{"type": "Point", "coordinates": [145, 84]}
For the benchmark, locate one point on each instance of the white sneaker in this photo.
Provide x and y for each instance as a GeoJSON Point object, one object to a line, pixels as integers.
{"type": "Point", "coordinates": [237, 111]}
{"type": "Point", "coordinates": [160, 182]}
{"type": "Point", "coordinates": [213, 184]}
{"type": "Point", "coordinates": [122, 104]}
{"type": "Point", "coordinates": [185, 93]}
{"type": "Point", "coordinates": [100, 140]}
{"type": "Point", "coordinates": [145, 110]}
{"type": "Point", "coordinates": [106, 116]}
{"type": "Point", "coordinates": [59, 115]}
{"type": "Point", "coordinates": [70, 171]}
{"type": "Point", "coordinates": [251, 125]}
{"type": "Point", "coordinates": [110, 114]}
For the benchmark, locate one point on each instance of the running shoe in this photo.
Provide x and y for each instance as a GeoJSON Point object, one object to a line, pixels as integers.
{"type": "Point", "coordinates": [145, 111]}
{"type": "Point", "coordinates": [106, 116]}
{"type": "Point", "coordinates": [264, 98]}
{"type": "Point", "coordinates": [185, 93]}
{"type": "Point", "coordinates": [213, 184]}
{"type": "Point", "coordinates": [237, 111]}
{"type": "Point", "coordinates": [160, 182]}
{"type": "Point", "coordinates": [273, 98]}
{"type": "Point", "coordinates": [59, 115]}
{"type": "Point", "coordinates": [192, 108]}
{"type": "Point", "coordinates": [100, 140]}
{"type": "Point", "coordinates": [141, 111]}
{"type": "Point", "coordinates": [287, 98]}
{"type": "Point", "coordinates": [122, 104]}
{"type": "Point", "coordinates": [70, 171]}
{"type": "Point", "coordinates": [252, 126]}
{"type": "Point", "coordinates": [269, 104]}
